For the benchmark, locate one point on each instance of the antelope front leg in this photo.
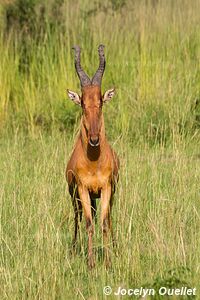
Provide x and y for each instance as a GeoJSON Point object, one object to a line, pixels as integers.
{"type": "Point", "coordinates": [77, 212]}
{"type": "Point", "coordinates": [105, 221]}
{"type": "Point", "coordinates": [86, 204]}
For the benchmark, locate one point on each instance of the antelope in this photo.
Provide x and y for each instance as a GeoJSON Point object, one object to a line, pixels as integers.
{"type": "Point", "coordinates": [92, 171]}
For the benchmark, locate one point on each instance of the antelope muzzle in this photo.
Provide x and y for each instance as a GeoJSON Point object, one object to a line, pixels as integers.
{"type": "Point", "coordinates": [94, 141]}
{"type": "Point", "coordinates": [94, 134]}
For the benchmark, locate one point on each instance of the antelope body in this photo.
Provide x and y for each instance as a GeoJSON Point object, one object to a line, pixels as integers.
{"type": "Point", "coordinates": [92, 170]}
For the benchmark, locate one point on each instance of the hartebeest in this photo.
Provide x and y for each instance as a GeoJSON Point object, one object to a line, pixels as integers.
{"type": "Point", "coordinates": [92, 170]}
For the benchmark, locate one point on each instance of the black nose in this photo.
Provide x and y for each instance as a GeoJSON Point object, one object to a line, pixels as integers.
{"type": "Point", "coordinates": [94, 141]}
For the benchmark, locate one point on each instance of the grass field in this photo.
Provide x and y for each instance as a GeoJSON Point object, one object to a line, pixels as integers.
{"type": "Point", "coordinates": [153, 122]}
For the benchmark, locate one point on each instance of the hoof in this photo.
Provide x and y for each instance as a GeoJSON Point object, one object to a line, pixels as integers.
{"type": "Point", "coordinates": [108, 264]}
{"type": "Point", "coordinates": [91, 262]}
{"type": "Point", "coordinates": [73, 249]}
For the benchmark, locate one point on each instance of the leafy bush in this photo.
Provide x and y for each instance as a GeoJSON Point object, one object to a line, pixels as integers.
{"type": "Point", "coordinates": [174, 278]}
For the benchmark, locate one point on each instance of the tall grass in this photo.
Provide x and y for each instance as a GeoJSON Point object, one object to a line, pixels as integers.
{"type": "Point", "coordinates": [155, 218]}
{"type": "Point", "coordinates": [152, 52]}
{"type": "Point", "coordinates": [153, 60]}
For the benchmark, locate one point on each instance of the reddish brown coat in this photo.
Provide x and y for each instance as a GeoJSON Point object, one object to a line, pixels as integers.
{"type": "Point", "coordinates": [92, 171]}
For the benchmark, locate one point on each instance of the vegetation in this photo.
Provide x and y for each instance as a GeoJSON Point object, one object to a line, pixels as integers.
{"type": "Point", "coordinates": [152, 52]}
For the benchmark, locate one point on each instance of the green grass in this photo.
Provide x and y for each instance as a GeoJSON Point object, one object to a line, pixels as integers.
{"type": "Point", "coordinates": [156, 220]}
{"type": "Point", "coordinates": [152, 51]}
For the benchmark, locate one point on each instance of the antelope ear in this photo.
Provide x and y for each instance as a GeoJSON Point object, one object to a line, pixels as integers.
{"type": "Point", "coordinates": [74, 97]}
{"type": "Point", "coordinates": [108, 95]}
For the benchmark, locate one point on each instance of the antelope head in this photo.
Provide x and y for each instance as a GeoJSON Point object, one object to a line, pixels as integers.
{"type": "Point", "coordinates": [91, 99]}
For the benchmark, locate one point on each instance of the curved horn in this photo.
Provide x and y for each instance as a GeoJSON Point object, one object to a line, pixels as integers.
{"type": "Point", "coordinates": [84, 79]}
{"type": "Point", "coordinates": [96, 80]}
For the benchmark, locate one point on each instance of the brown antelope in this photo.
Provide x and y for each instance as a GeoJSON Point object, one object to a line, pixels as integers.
{"type": "Point", "coordinates": [92, 170]}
